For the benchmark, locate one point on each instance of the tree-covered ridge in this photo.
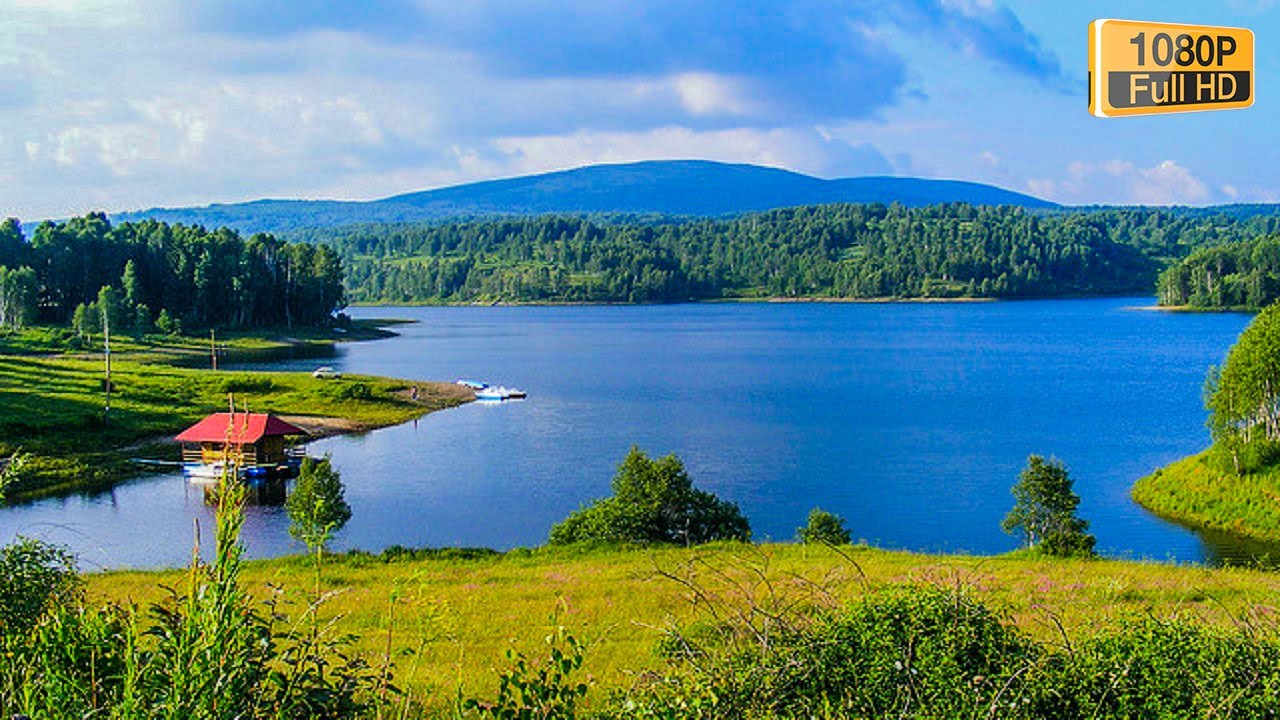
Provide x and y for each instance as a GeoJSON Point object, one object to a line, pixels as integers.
{"type": "Point", "coordinates": [1243, 276]}
{"type": "Point", "coordinates": [182, 276]}
{"type": "Point", "coordinates": [833, 251]}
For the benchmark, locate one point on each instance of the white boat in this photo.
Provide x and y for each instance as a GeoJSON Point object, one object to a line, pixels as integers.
{"type": "Point", "coordinates": [492, 393]}
{"type": "Point", "coordinates": [473, 384]}
{"type": "Point", "coordinates": [201, 473]}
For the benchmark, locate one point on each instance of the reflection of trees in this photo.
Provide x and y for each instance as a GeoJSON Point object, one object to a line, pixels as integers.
{"type": "Point", "coordinates": [1222, 548]}
{"type": "Point", "coordinates": [264, 493]}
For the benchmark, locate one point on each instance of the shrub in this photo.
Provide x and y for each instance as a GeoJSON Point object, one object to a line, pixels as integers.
{"type": "Point", "coordinates": [348, 390]}
{"type": "Point", "coordinates": [208, 653]}
{"type": "Point", "coordinates": [654, 501]}
{"type": "Point", "coordinates": [824, 528]}
{"type": "Point", "coordinates": [247, 384]}
{"type": "Point", "coordinates": [545, 689]}
{"type": "Point", "coordinates": [905, 652]}
{"type": "Point", "coordinates": [33, 577]}
{"type": "Point", "coordinates": [924, 652]}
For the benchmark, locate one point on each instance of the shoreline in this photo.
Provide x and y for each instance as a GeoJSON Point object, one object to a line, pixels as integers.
{"type": "Point", "coordinates": [750, 300]}
{"type": "Point", "coordinates": [161, 387]}
{"type": "Point", "coordinates": [1191, 493]}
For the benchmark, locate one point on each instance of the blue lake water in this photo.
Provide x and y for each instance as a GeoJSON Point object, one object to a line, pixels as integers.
{"type": "Point", "coordinates": [910, 420]}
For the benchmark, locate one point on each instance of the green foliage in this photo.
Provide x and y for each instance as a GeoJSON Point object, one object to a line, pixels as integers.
{"type": "Point", "coordinates": [846, 251]}
{"type": "Point", "coordinates": [654, 501]}
{"type": "Point", "coordinates": [317, 506]}
{"type": "Point", "coordinates": [191, 275]}
{"type": "Point", "coordinates": [348, 390]}
{"type": "Point", "coordinates": [1045, 511]}
{"type": "Point", "coordinates": [11, 471]}
{"type": "Point", "coordinates": [252, 383]}
{"type": "Point", "coordinates": [824, 528]}
{"type": "Point", "coordinates": [1241, 275]}
{"type": "Point", "coordinates": [34, 576]}
{"type": "Point", "coordinates": [86, 320]}
{"type": "Point", "coordinates": [111, 309]}
{"type": "Point", "coordinates": [19, 297]}
{"type": "Point", "coordinates": [537, 690]}
{"type": "Point", "coordinates": [205, 654]}
{"type": "Point", "coordinates": [922, 652]}
{"type": "Point", "coordinates": [1243, 397]}
{"type": "Point", "coordinates": [141, 322]}
{"type": "Point", "coordinates": [168, 324]}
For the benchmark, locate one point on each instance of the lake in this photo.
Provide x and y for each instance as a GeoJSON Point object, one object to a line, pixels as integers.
{"type": "Point", "coordinates": [911, 420]}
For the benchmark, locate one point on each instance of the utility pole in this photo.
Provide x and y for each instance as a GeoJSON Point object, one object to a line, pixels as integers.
{"type": "Point", "coordinates": [213, 348]}
{"type": "Point", "coordinates": [106, 354]}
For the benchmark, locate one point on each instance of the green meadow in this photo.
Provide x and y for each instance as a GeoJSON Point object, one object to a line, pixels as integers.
{"type": "Point", "coordinates": [53, 404]}
{"type": "Point", "coordinates": [446, 617]}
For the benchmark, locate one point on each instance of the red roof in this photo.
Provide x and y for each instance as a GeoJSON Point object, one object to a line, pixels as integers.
{"type": "Point", "coordinates": [243, 429]}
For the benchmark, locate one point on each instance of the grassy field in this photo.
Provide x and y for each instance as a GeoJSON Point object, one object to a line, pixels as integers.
{"type": "Point", "coordinates": [459, 614]}
{"type": "Point", "coordinates": [1195, 491]}
{"type": "Point", "coordinates": [52, 404]}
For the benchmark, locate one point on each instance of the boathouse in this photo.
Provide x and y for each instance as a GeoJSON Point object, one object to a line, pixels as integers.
{"type": "Point", "coordinates": [258, 436]}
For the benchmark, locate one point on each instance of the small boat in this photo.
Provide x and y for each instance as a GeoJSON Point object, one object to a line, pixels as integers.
{"type": "Point", "coordinates": [492, 393]}
{"type": "Point", "coordinates": [211, 473]}
{"type": "Point", "coordinates": [499, 392]}
{"type": "Point", "coordinates": [473, 384]}
{"type": "Point", "coordinates": [201, 473]}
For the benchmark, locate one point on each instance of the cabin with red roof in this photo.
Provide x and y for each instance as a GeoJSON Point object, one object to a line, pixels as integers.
{"type": "Point", "coordinates": [258, 437]}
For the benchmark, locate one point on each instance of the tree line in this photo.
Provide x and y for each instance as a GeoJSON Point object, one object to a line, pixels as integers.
{"type": "Point", "coordinates": [839, 251]}
{"type": "Point", "coordinates": [136, 275]}
{"type": "Point", "coordinates": [1242, 276]}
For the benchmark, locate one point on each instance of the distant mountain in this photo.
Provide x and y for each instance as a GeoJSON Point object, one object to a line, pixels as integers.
{"type": "Point", "coordinates": [668, 187]}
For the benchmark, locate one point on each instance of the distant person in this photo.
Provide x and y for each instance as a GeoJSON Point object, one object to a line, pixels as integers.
{"type": "Point", "coordinates": [414, 393]}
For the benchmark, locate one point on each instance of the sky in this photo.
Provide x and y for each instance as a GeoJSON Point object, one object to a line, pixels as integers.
{"type": "Point", "coordinates": [113, 105]}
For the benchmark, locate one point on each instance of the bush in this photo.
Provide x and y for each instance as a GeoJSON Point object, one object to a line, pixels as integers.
{"type": "Point", "coordinates": [824, 528]}
{"type": "Point", "coordinates": [924, 652]}
{"type": "Point", "coordinates": [904, 652]}
{"type": "Point", "coordinates": [34, 576]}
{"type": "Point", "coordinates": [348, 390]}
{"type": "Point", "coordinates": [247, 384]}
{"type": "Point", "coordinates": [654, 501]}
{"type": "Point", "coordinates": [545, 689]}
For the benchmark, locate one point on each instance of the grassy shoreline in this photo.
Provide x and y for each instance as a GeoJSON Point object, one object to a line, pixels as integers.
{"type": "Point", "coordinates": [459, 611]}
{"type": "Point", "coordinates": [52, 405]}
{"type": "Point", "coordinates": [1197, 493]}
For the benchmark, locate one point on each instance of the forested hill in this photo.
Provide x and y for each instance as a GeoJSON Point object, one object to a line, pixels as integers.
{"type": "Point", "coordinates": [832, 251]}
{"type": "Point", "coordinates": [674, 187]}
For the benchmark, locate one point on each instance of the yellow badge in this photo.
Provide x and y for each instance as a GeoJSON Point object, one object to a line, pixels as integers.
{"type": "Point", "coordinates": [1146, 68]}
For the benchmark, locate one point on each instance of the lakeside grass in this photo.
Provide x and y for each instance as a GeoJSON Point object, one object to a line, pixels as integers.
{"type": "Point", "coordinates": [1197, 492]}
{"type": "Point", "coordinates": [460, 612]}
{"type": "Point", "coordinates": [52, 405]}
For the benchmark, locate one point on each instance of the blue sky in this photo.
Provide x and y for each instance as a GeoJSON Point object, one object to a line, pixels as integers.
{"type": "Point", "coordinates": [125, 105]}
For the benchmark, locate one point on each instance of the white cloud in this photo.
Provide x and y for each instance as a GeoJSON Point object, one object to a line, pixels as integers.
{"type": "Point", "coordinates": [126, 104]}
{"type": "Point", "coordinates": [1119, 182]}
{"type": "Point", "coordinates": [803, 150]}
{"type": "Point", "coordinates": [708, 94]}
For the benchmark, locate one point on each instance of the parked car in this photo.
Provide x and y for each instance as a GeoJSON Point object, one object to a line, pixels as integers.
{"type": "Point", "coordinates": [325, 373]}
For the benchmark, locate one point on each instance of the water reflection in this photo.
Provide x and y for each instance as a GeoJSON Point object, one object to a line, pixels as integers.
{"type": "Point", "coordinates": [1226, 549]}
{"type": "Point", "coordinates": [259, 493]}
